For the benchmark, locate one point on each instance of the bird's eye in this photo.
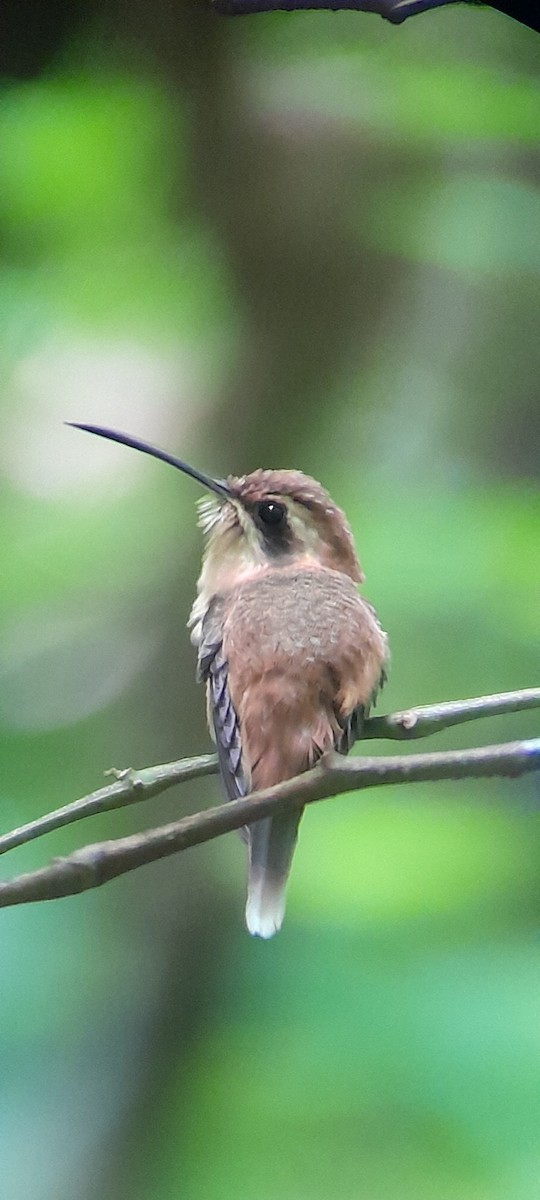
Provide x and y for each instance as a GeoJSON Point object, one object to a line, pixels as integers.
{"type": "Point", "coordinates": [270, 512]}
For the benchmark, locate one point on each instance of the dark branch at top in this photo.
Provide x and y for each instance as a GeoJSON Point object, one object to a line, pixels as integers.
{"type": "Point", "coordinates": [395, 11]}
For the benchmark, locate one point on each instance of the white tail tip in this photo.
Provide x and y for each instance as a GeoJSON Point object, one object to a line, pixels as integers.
{"type": "Point", "coordinates": [265, 907]}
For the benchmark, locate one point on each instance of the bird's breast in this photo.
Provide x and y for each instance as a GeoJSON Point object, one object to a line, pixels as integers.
{"type": "Point", "coordinates": [303, 650]}
{"type": "Point", "coordinates": [305, 616]}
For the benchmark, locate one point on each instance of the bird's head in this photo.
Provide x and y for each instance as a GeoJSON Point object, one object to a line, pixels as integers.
{"type": "Point", "coordinates": [261, 521]}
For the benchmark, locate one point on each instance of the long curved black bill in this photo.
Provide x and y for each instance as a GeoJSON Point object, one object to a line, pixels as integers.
{"type": "Point", "coordinates": [214, 485]}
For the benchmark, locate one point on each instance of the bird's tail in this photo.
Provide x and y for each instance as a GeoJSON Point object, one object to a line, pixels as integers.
{"type": "Point", "coordinates": [271, 847]}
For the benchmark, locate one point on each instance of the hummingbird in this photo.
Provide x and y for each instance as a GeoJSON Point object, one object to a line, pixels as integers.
{"type": "Point", "coordinates": [292, 656]}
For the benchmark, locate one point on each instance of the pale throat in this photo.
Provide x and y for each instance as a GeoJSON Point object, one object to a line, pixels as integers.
{"type": "Point", "coordinates": [227, 566]}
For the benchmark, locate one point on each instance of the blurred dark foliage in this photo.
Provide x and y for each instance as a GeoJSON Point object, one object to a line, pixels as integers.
{"type": "Point", "coordinates": [34, 32]}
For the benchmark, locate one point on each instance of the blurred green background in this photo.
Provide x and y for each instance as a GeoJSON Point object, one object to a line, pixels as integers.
{"type": "Point", "coordinates": [307, 241]}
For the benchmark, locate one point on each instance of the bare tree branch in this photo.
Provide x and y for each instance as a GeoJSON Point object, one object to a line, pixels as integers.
{"type": "Point", "coordinates": [132, 786]}
{"type": "Point", "coordinates": [96, 864]}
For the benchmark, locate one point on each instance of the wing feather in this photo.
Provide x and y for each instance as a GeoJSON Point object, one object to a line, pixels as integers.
{"type": "Point", "coordinates": [213, 668]}
{"type": "Point", "coordinates": [352, 725]}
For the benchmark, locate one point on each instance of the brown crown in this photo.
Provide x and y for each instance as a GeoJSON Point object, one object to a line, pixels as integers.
{"type": "Point", "coordinates": [330, 520]}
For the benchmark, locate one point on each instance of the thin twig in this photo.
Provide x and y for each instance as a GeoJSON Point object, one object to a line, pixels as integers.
{"type": "Point", "coordinates": [132, 786]}
{"type": "Point", "coordinates": [96, 864]}
{"type": "Point", "coordinates": [431, 718]}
